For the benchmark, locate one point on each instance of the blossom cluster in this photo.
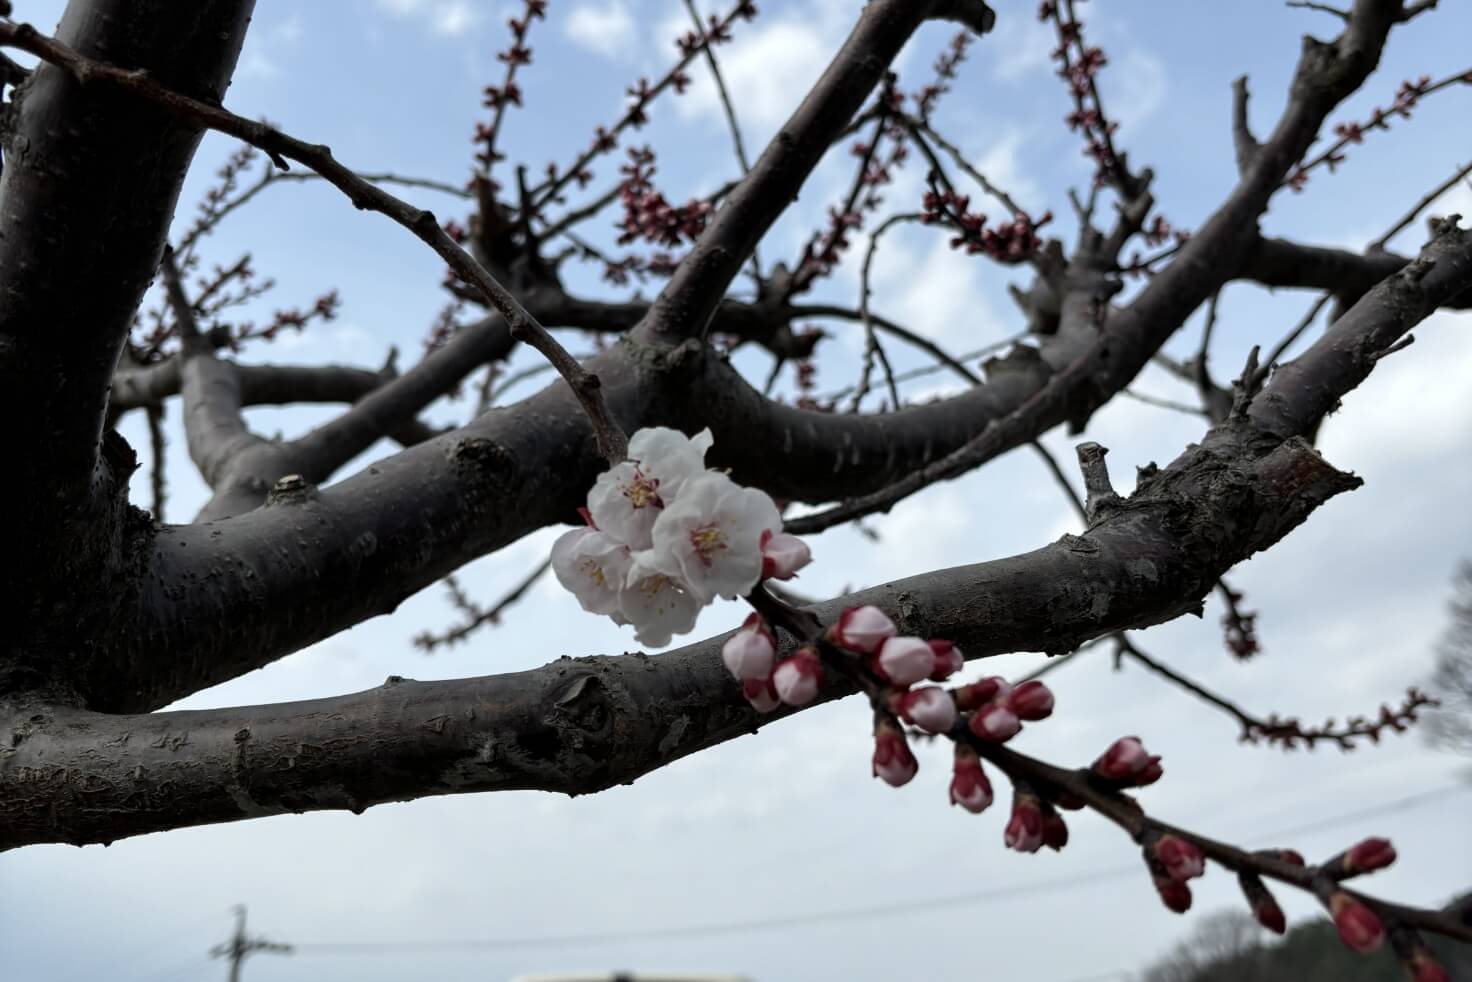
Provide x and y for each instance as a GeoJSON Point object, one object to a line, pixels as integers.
{"type": "Point", "coordinates": [666, 536]}
{"type": "Point", "coordinates": [648, 214]}
{"type": "Point", "coordinates": [1010, 243]}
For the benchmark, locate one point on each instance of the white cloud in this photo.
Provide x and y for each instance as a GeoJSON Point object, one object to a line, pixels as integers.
{"type": "Point", "coordinates": [767, 71]}
{"type": "Point", "coordinates": [444, 17]}
{"type": "Point", "coordinates": [606, 29]}
{"type": "Point", "coordinates": [1022, 44]}
{"type": "Point", "coordinates": [1136, 87]}
{"type": "Point", "coordinates": [1002, 165]}
{"type": "Point", "coordinates": [455, 17]}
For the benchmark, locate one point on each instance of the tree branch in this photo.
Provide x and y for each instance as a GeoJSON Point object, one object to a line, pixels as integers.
{"type": "Point", "coordinates": [584, 725]}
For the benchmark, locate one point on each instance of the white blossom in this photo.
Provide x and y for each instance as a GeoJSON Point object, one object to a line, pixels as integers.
{"type": "Point", "coordinates": [594, 567]}
{"type": "Point", "coordinates": [657, 605]}
{"type": "Point", "coordinates": [627, 498]}
{"type": "Point", "coordinates": [710, 538]}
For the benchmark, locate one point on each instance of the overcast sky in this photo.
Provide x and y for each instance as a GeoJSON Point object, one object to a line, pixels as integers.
{"type": "Point", "coordinates": [783, 838]}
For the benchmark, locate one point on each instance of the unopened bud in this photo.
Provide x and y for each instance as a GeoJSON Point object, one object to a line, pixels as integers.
{"type": "Point", "coordinates": [1366, 856]}
{"type": "Point", "coordinates": [761, 693]}
{"type": "Point", "coordinates": [1173, 893]}
{"type": "Point", "coordinates": [1124, 760]}
{"type": "Point", "coordinates": [1031, 701]}
{"type": "Point", "coordinates": [1358, 927]}
{"type": "Point", "coordinates": [783, 555]}
{"type": "Point", "coordinates": [1025, 829]}
{"type": "Point", "coordinates": [929, 707]}
{"type": "Point", "coordinates": [1055, 831]}
{"type": "Point", "coordinates": [893, 762]}
{"type": "Point", "coordinates": [751, 651]}
{"type": "Point", "coordinates": [799, 677]}
{"type": "Point", "coordinates": [862, 629]}
{"type": "Point", "coordinates": [969, 787]}
{"type": "Point", "coordinates": [948, 660]}
{"type": "Point", "coordinates": [905, 661]}
{"type": "Point", "coordinates": [995, 722]}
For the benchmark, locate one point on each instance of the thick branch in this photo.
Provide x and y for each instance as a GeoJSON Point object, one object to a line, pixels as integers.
{"type": "Point", "coordinates": [1278, 262]}
{"type": "Point", "coordinates": [90, 180]}
{"type": "Point", "coordinates": [579, 726]}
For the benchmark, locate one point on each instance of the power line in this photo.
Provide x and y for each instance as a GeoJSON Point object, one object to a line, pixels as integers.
{"type": "Point", "coordinates": [239, 947]}
{"type": "Point", "coordinates": [821, 917]}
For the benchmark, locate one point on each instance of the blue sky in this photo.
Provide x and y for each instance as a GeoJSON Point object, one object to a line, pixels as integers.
{"type": "Point", "coordinates": [788, 823]}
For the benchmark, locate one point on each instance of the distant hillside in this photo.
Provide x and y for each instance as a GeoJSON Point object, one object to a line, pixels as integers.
{"type": "Point", "coordinates": [1230, 947]}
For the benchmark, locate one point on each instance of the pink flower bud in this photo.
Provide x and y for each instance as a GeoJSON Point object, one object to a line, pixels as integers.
{"type": "Point", "coordinates": [751, 651]}
{"type": "Point", "coordinates": [1125, 758]}
{"type": "Point", "coordinates": [1031, 701]}
{"type": "Point", "coordinates": [761, 693]}
{"type": "Point", "coordinates": [929, 707]}
{"type": "Point", "coordinates": [905, 661]}
{"type": "Point", "coordinates": [948, 660]}
{"type": "Point", "coordinates": [1270, 915]}
{"type": "Point", "coordinates": [862, 629]}
{"type": "Point", "coordinates": [1180, 858]}
{"type": "Point", "coordinates": [1368, 856]}
{"type": "Point", "coordinates": [1150, 773]}
{"type": "Point", "coordinates": [1174, 894]}
{"type": "Point", "coordinates": [1359, 928]}
{"type": "Point", "coordinates": [893, 762]}
{"type": "Point", "coordinates": [993, 688]}
{"type": "Point", "coordinates": [969, 787]}
{"type": "Point", "coordinates": [1025, 828]}
{"type": "Point", "coordinates": [1425, 968]}
{"type": "Point", "coordinates": [799, 677]}
{"type": "Point", "coordinates": [995, 722]}
{"type": "Point", "coordinates": [1055, 831]}
{"type": "Point", "coordinates": [783, 555]}
{"type": "Point", "coordinates": [1291, 856]}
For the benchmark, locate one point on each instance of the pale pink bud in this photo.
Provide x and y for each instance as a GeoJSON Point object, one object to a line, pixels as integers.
{"type": "Point", "coordinates": [930, 708]}
{"type": "Point", "coordinates": [751, 651]}
{"type": "Point", "coordinates": [761, 693]}
{"type": "Point", "coordinates": [1368, 856]}
{"type": "Point", "coordinates": [799, 677]}
{"type": "Point", "coordinates": [1174, 894]}
{"type": "Point", "coordinates": [905, 661]}
{"type": "Point", "coordinates": [1055, 831]}
{"type": "Point", "coordinates": [969, 787]}
{"type": "Point", "coordinates": [862, 629]}
{"type": "Point", "coordinates": [991, 689]}
{"type": "Point", "coordinates": [1125, 758]}
{"type": "Point", "coordinates": [1031, 701]}
{"type": "Point", "coordinates": [948, 660]}
{"type": "Point", "coordinates": [893, 762]}
{"type": "Point", "coordinates": [995, 722]}
{"type": "Point", "coordinates": [1180, 858]}
{"type": "Point", "coordinates": [783, 555]}
{"type": "Point", "coordinates": [1025, 828]}
{"type": "Point", "coordinates": [1359, 928]}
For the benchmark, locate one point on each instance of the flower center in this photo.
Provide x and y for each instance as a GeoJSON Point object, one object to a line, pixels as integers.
{"type": "Point", "coordinates": [643, 491]}
{"type": "Point", "coordinates": [593, 570]}
{"type": "Point", "coordinates": [707, 540]}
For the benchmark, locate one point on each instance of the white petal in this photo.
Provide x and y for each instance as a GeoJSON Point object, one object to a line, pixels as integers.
{"type": "Point", "coordinates": [624, 502]}
{"type": "Point", "coordinates": [593, 567]}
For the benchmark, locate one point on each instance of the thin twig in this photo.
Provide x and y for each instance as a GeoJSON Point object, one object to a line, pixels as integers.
{"type": "Point", "coordinates": [422, 223]}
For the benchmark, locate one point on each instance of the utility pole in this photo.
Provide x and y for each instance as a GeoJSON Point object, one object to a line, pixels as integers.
{"type": "Point", "coordinates": [238, 947]}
